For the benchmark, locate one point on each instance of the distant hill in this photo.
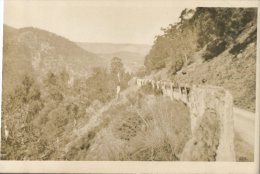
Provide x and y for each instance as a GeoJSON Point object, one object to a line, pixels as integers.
{"type": "Point", "coordinates": [34, 51]}
{"type": "Point", "coordinates": [131, 60]}
{"type": "Point", "coordinates": [132, 55]}
{"type": "Point", "coordinates": [105, 48]}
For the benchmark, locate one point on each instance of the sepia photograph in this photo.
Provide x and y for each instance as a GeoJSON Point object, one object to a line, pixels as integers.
{"type": "Point", "coordinates": [128, 81]}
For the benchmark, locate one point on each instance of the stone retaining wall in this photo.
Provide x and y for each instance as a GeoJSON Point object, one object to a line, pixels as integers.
{"type": "Point", "coordinates": [200, 99]}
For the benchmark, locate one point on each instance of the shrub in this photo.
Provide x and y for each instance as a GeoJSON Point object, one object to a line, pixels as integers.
{"type": "Point", "coordinates": [176, 66]}
{"type": "Point", "coordinates": [166, 132]}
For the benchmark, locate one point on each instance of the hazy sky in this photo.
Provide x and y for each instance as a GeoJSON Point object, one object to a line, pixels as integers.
{"type": "Point", "coordinates": [95, 21]}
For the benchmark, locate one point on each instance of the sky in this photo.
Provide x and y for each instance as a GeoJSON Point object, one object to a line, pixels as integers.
{"type": "Point", "coordinates": [113, 21]}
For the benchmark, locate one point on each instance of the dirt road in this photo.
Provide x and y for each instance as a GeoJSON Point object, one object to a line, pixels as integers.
{"type": "Point", "coordinates": [244, 124]}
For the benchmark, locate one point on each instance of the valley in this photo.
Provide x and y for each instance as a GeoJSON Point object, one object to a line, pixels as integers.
{"type": "Point", "coordinates": [191, 96]}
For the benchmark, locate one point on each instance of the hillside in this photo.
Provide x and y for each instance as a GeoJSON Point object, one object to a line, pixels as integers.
{"type": "Point", "coordinates": [50, 86]}
{"type": "Point", "coordinates": [205, 48]}
{"type": "Point", "coordinates": [235, 72]}
{"type": "Point", "coordinates": [35, 52]}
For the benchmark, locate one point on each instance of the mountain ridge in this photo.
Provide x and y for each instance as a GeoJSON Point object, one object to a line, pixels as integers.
{"type": "Point", "coordinates": [30, 49]}
{"type": "Point", "coordinates": [106, 47]}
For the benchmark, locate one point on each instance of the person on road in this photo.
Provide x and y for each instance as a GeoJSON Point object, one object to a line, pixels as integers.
{"type": "Point", "coordinates": [118, 91]}
{"type": "Point", "coordinates": [118, 88]}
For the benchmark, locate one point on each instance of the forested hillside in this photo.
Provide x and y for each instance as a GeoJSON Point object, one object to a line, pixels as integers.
{"type": "Point", "coordinates": [35, 51]}
{"type": "Point", "coordinates": [212, 45]}
{"type": "Point", "coordinates": [40, 117]}
{"type": "Point", "coordinates": [50, 87]}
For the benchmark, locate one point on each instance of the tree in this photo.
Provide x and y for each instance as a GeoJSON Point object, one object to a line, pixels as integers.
{"type": "Point", "coordinates": [54, 87]}
{"type": "Point", "coordinates": [116, 66]}
{"type": "Point", "coordinates": [207, 27]}
{"type": "Point", "coordinates": [119, 76]}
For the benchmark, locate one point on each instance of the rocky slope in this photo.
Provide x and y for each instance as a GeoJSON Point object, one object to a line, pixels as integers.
{"type": "Point", "coordinates": [215, 46]}
{"type": "Point", "coordinates": [235, 72]}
